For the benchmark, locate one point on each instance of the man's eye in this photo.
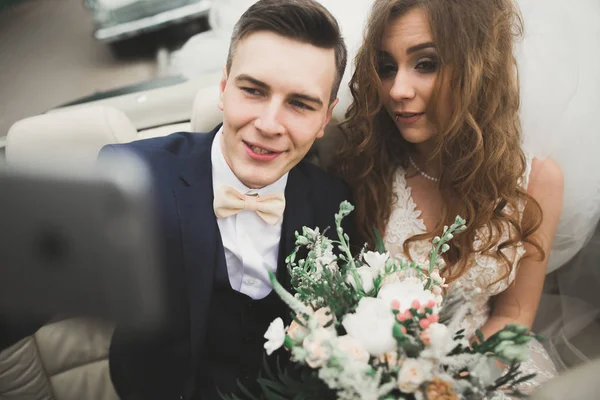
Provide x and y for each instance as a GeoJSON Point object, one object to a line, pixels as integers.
{"type": "Point", "coordinates": [251, 91]}
{"type": "Point", "coordinates": [300, 104]}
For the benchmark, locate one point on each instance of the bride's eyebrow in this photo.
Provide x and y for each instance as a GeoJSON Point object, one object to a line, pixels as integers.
{"type": "Point", "coordinates": [383, 55]}
{"type": "Point", "coordinates": [419, 47]}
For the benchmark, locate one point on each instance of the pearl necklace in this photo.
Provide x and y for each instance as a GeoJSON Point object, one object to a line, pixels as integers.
{"type": "Point", "coordinates": [423, 174]}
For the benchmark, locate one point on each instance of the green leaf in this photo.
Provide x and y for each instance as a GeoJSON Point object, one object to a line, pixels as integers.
{"type": "Point", "coordinates": [397, 331]}
{"type": "Point", "coordinates": [269, 387]}
{"type": "Point", "coordinates": [246, 392]}
{"type": "Point", "coordinates": [379, 245]}
{"type": "Point", "coordinates": [480, 336]}
{"type": "Point", "coordinates": [524, 379]}
{"type": "Point", "coordinates": [517, 395]}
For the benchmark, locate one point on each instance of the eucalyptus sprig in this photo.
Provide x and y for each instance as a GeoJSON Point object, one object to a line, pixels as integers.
{"type": "Point", "coordinates": [440, 245]}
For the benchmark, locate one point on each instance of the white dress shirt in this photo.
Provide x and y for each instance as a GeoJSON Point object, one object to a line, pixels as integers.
{"type": "Point", "coordinates": [251, 245]}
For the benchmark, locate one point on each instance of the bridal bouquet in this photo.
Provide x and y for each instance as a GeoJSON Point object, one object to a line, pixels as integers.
{"type": "Point", "coordinates": [372, 327]}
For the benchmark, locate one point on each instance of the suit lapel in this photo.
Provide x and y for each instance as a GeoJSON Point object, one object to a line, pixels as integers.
{"type": "Point", "coordinates": [199, 235]}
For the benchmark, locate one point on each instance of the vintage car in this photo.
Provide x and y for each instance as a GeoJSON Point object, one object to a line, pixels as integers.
{"type": "Point", "coordinates": [119, 22]}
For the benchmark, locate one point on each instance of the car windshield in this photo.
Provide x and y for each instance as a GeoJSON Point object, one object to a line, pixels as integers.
{"type": "Point", "coordinates": [138, 87]}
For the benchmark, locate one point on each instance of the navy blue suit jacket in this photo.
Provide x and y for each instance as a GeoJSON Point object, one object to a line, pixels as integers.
{"type": "Point", "coordinates": [161, 364]}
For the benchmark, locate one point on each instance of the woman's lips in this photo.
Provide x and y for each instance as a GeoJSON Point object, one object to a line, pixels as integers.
{"type": "Point", "coordinates": [408, 118]}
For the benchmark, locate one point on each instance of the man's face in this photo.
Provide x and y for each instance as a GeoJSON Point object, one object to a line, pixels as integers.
{"type": "Point", "coordinates": [275, 103]}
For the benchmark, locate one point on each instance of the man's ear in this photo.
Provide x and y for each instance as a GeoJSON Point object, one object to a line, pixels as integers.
{"type": "Point", "coordinates": [222, 86]}
{"type": "Point", "coordinates": [327, 118]}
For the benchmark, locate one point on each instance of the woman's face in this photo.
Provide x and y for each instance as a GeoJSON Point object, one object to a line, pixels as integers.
{"type": "Point", "coordinates": [408, 66]}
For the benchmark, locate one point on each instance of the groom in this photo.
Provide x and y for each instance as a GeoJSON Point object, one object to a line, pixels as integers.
{"type": "Point", "coordinates": [230, 201]}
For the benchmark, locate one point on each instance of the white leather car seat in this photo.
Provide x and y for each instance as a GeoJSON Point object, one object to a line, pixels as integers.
{"type": "Point", "coordinates": [79, 133]}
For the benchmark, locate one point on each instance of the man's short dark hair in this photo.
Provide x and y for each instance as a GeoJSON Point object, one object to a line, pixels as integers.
{"type": "Point", "coordinates": [306, 21]}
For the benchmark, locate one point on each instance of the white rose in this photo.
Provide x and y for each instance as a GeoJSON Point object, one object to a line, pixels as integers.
{"type": "Point", "coordinates": [413, 373]}
{"type": "Point", "coordinates": [372, 325]}
{"type": "Point", "coordinates": [352, 349]}
{"type": "Point", "coordinates": [275, 336]}
{"type": "Point", "coordinates": [318, 347]}
{"type": "Point", "coordinates": [406, 292]}
{"type": "Point", "coordinates": [376, 261]}
{"type": "Point", "coordinates": [439, 341]}
{"type": "Point", "coordinates": [366, 278]}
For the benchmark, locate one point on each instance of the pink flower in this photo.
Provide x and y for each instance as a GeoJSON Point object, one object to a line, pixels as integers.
{"type": "Point", "coordinates": [403, 316]}
{"type": "Point", "coordinates": [416, 304]}
{"type": "Point", "coordinates": [424, 323]}
{"type": "Point", "coordinates": [395, 304]}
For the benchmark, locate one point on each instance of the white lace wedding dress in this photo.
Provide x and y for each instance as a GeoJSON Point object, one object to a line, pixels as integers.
{"type": "Point", "coordinates": [483, 270]}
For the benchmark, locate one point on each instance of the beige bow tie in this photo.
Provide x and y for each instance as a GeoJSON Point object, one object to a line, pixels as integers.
{"type": "Point", "coordinates": [229, 201]}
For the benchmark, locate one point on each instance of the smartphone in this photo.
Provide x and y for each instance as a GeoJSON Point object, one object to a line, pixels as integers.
{"type": "Point", "coordinates": [77, 239]}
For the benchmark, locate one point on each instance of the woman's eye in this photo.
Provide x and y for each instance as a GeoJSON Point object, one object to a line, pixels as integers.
{"type": "Point", "coordinates": [386, 70]}
{"type": "Point", "coordinates": [427, 65]}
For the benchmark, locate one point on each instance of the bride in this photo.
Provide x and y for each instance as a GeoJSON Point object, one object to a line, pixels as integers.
{"type": "Point", "coordinates": [433, 132]}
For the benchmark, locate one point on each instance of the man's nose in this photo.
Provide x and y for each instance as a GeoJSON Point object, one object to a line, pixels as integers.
{"type": "Point", "coordinates": [269, 120]}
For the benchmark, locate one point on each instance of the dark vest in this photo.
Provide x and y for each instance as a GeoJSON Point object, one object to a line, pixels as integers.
{"type": "Point", "coordinates": [234, 345]}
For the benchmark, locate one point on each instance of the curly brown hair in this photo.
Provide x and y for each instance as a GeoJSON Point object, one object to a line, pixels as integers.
{"type": "Point", "coordinates": [479, 145]}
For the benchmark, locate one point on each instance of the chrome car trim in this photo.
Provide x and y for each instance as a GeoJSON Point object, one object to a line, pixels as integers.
{"type": "Point", "coordinates": [114, 33]}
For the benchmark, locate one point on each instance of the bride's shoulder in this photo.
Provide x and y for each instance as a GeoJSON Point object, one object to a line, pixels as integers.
{"type": "Point", "coordinates": [545, 175]}
{"type": "Point", "coordinates": [546, 186]}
